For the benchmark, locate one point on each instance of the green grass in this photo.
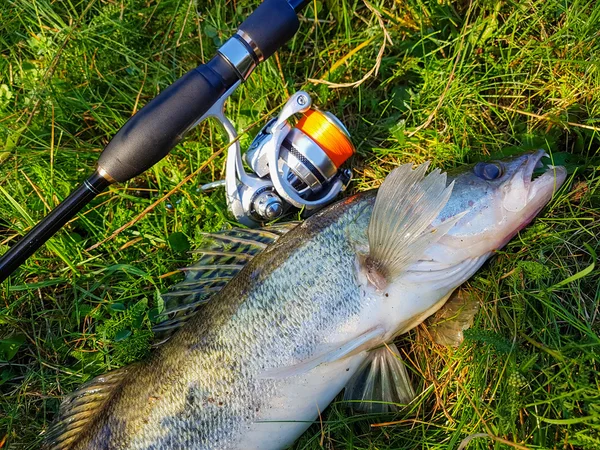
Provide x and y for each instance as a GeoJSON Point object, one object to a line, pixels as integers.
{"type": "Point", "coordinates": [458, 82]}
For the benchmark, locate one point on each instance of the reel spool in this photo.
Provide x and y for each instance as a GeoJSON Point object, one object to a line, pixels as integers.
{"type": "Point", "coordinates": [295, 166]}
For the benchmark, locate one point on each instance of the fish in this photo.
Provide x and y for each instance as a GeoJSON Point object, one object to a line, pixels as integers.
{"type": "Point", "coordinates": [270, 325]}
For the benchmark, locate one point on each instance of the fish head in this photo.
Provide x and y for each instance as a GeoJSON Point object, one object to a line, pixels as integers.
{"type": "Point", "coordinates": [496, 200]}
{"type": "Point", "coordinates": [489, 203]}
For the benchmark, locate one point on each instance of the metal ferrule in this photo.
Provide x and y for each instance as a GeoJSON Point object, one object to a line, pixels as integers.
{"type": "Point", "coordinates": [248, 40]}
{"type": "Point", "coordinates": [240, 56]}
{"type": "Point", "coordinates": [104, 174]}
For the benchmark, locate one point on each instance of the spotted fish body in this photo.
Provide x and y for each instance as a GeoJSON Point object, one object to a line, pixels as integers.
{"type": "Point", "coordinates": [203, 388]}
{"type": "Point", "coordinates": [271, 350]}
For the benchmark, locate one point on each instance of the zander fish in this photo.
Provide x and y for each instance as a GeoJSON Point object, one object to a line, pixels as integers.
{"type": "Point", "coordinates": [283, 335]}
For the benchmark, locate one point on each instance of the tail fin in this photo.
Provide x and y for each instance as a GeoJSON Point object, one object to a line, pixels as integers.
{"type": "Point", "coordinates": [81, 408]}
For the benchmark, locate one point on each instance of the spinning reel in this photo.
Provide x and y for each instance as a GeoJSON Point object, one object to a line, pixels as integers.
{"type": "Point", "coordinates": [292, 166]}
{"type": "Point", "coordinates": [152, 132]}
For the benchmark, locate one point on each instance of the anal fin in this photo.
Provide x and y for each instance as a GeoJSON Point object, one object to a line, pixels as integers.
{"type": "Point", "coordinates": [381, 382]}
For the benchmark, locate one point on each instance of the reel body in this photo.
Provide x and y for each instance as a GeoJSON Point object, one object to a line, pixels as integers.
{"type": "Point", "coordinates": [292, 166]}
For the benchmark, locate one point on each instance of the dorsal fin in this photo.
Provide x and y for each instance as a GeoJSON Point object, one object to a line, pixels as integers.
{"type": "Point", "coordinates": [81, 408]}
{"type": "Point", "coordinates": [223, 255]}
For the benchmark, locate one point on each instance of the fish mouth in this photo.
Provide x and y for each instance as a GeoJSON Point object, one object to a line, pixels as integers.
{"type": "Point", "coordinates": [528, 193]}
{"type": "Point", "coordinates": [547, 182]}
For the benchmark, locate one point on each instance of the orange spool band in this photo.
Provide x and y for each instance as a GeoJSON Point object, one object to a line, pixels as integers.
{"type": "Point", "coordinates": [327, 135]}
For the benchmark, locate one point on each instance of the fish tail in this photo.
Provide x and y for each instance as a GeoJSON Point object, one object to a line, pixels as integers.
{"type": "Point", "coordinates": [80, 409]}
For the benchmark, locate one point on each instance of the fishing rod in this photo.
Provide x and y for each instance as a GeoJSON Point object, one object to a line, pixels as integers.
{"type": "Point", "coordinates": [154, 130]}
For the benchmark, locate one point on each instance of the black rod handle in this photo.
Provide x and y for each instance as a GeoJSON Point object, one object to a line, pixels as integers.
{"type": "Point", "coordinates": [154, 130]}
{"type": "Point", "coordinates": [45, 229]}
{"type": "Point", "coordinates": [151, 133]}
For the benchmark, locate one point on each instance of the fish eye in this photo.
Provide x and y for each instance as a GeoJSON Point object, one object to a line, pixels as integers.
{"type": "Point", "coordinates": [488, 170]}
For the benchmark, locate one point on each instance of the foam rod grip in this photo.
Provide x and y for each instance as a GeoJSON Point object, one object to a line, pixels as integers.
{"type": "Point", "coordinates": [151, 133]}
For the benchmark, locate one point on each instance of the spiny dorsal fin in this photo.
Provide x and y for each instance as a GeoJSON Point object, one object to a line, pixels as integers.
{"type": "Point", "coordinates": [244, 241]}
{"type": "Point", "coordinates": [81, 408]}
{"type": "Point", "coordinates": [380, 383]}
{"type": "Point", "coordinates": [223, 255]}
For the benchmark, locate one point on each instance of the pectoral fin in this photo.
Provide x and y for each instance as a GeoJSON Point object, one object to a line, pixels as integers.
{"type": "Point", "coordinates": [380, 383]}
{"type": "Point", "coordinates": [447, 325]}
{"type": "Point", "coordinates": [329, 354]}
{"type": "Point", "coordinates": [400, 227]}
